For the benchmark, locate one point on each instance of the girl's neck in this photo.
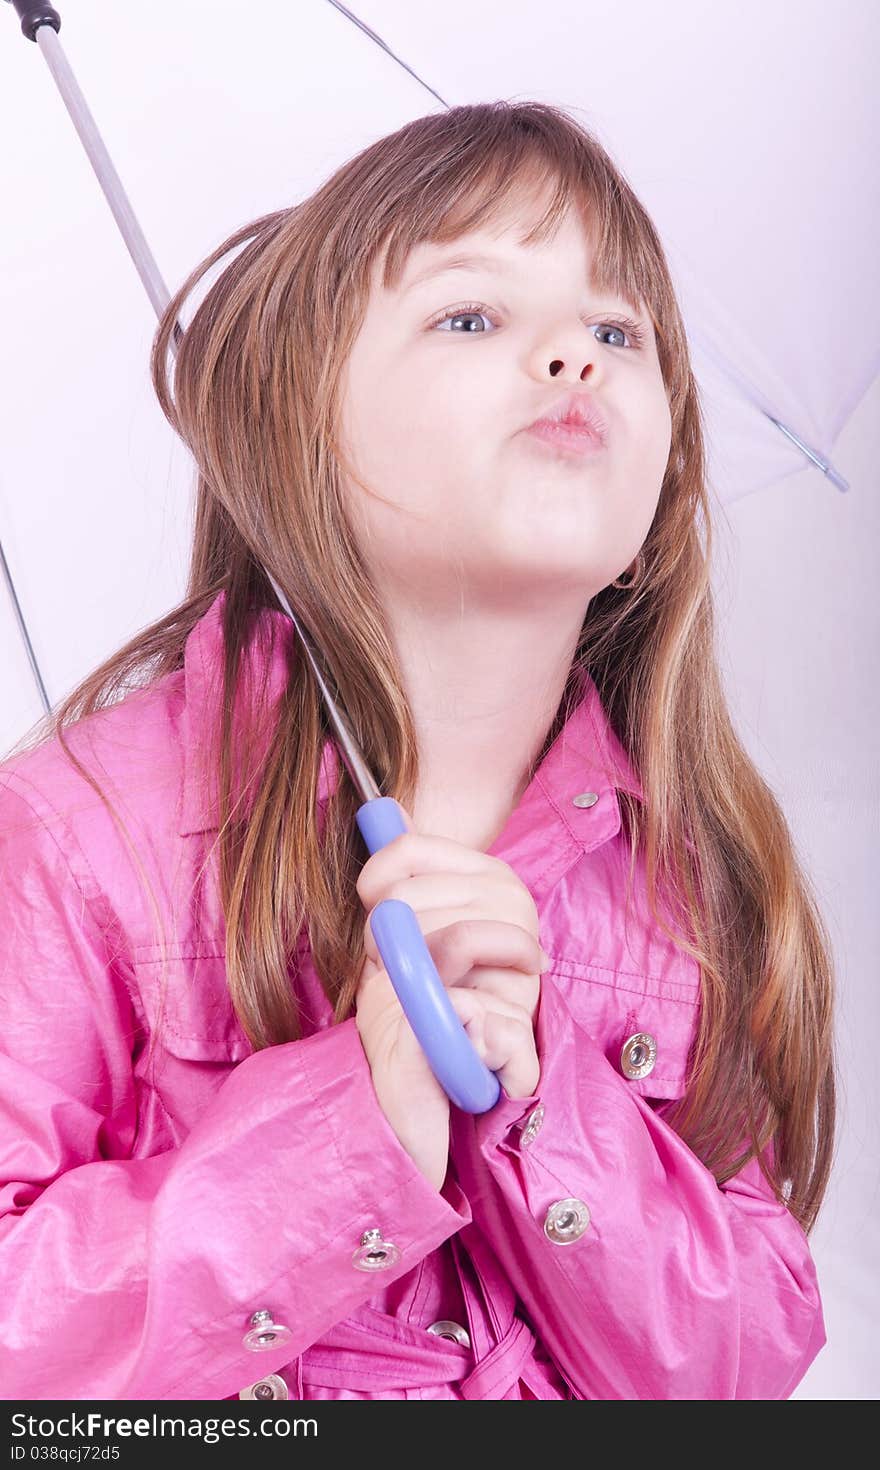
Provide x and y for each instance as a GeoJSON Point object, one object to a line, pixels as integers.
{"type": "Point", "coordinates": [473, 823]}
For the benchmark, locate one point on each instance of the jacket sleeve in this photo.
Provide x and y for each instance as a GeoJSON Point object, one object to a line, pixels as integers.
{"type": "Point", "coordinates": [134, 1277]}
{"type": "Point", "coordinates": [677, 1288]}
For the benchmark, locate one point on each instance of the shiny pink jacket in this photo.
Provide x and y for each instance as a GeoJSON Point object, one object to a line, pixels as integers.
{"type": "Point", "coordinates": [150, 1206]}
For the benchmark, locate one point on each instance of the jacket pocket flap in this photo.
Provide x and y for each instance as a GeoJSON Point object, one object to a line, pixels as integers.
{"type": "Point", "coordinates": [187, 1004]}
{"type": "Point", "coordinates": [615, 1008]}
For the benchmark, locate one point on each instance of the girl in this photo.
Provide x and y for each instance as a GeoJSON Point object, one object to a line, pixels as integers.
{"type": "Point", "coordinates": [228, 1170]}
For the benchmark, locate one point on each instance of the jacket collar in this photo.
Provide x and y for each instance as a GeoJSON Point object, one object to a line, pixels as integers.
{"type": "Point", "coordinates": [545, 833]}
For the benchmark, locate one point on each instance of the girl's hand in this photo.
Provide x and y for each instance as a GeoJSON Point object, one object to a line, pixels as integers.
{"type": "Point", "coordinates": [480, 926]}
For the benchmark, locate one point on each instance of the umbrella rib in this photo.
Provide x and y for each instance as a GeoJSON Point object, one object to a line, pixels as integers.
{"type": "Point", "coordinates": [757, 399]}
{"type": "Point", "coordinates": [361, 25]}
{"type": "Point", "coordinates": [824, 465]}
{"type": "Point", "coordinates": [23, 629]}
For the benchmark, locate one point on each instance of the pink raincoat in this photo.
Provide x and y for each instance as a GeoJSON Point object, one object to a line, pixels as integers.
{"type": "Point", "coordinates": [149, 1207]}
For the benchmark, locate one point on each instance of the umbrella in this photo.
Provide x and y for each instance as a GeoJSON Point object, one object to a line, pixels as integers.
{"type": "Point", "coordinates": [747, 133]}
{"type": "Point", "coordinates": [453, 1059]}
{"type": "Point", "coordinates": [777, 379]}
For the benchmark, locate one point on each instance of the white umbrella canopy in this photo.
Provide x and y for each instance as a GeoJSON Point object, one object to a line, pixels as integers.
{"type": "Point", "coordinates": [748, 135]}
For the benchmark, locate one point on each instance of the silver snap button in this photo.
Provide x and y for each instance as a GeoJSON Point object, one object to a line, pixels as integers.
{"type": "Point", "coordinates": [638, 1055]}
{"type": "Point", "coordinates": [265, 1333]}
{"type": "Point", "coordinates": [374, 1253]}
{"type": "Point", "coordinates": [586, 798]}
{"type": "Point", "coordinates": [532, 1126]}
{"type": "Point", "coordinates": [450, 1330]}
{"type": "Point", "coordinates": [566, 1221]}
{"type": "Point", "coordinates": [270, 1387]}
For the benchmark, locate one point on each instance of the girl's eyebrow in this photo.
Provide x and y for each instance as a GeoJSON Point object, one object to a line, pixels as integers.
{"type": "Point", "coordinates": [477, 261]}
{"type": "Point", "coordinates": [460, 263]}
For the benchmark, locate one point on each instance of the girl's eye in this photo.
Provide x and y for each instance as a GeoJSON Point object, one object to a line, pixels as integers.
{"type": "Point", "coordinates": [471, 309]}
{"type": "Point", "coordinates": [624, 326]}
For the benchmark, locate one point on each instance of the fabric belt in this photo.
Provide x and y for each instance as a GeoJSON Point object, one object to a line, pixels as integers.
{"type": "Point", "coordinates": [372, 1351]}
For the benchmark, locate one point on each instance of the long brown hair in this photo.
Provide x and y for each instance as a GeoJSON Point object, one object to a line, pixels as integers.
{"type": "Point", "coordinates": [255, 398]}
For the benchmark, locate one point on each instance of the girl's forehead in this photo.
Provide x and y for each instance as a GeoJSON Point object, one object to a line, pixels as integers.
{"type": "Point", "coordinates": [508, 228]}
{"type": "Point", "coordinates": [487, 245]}
{"type": "Point", "coordinates": [528, 209]}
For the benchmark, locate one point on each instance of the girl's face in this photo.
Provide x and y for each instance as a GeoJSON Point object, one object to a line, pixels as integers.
{"type": "Point", "coordinates": [435, 413]}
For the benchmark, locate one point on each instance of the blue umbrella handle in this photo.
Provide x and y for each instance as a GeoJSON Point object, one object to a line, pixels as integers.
{"type": "Point", "coordinates": [464, 1077]}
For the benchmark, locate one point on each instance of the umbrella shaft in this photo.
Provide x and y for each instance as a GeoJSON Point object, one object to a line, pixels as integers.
{"type": "Point", "coordinates": [38, 23]}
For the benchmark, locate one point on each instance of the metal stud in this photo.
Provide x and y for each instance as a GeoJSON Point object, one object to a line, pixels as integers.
{"type": "Point", "coordinates": [532, 1126]}
{"type": "Point", "coordinates": [265, 1333]}
{"type": "Point", "coordinates": [270, 1387]}
{"type": "Point", "coordinates": [452, 1331]}
{"type": "Point", "coordinates": [566, 1221]}
{"type": "Point", "coordinates": [638, 1055]}
{"type": "Point", "coordinates": [374, 1253]}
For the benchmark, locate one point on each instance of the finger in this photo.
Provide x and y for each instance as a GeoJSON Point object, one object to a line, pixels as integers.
{"type": "Point", "coordinates": [413, 853]}
{"type": "Point", "coordinates": [442, 898]}
{"type": "Point", "coordinates": [503, 1038]}
{"type": "Point", "coordinates": [457, 946]}
{"type": "Point", "coordinates": [461, 896]}
{"type": "Point", "coordinates": [468, 947]}
{"type": "Point", "coordinates": [521, 987]}
{"type": "Point", "coordinates": [451, 905]}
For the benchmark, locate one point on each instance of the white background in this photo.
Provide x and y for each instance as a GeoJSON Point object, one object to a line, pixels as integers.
{"type": "Point", "coordinates": [749, 134]}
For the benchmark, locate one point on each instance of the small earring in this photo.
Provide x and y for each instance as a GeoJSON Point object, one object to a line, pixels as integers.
{"type": "Point", "coordinates": [635, 576]}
